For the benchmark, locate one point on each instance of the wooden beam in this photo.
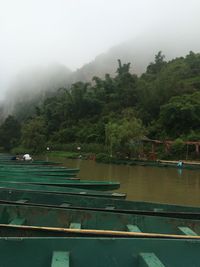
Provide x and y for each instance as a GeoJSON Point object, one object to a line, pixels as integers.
{"type": "Point", "coordinates": [133, 228]}
{"type": "Point", "coordinates": [60, 259]}
{"type": "Point", "coordinates": [149, 260]}
{"type": "Point", "coordinates": [74, 225]}
{"type": "Point", "coordinates": [187, 231]}
{"type": "Point", "coordinates": [109, 208]}
{"type": "Point", "coordinates": [21, 201]}
{"type": "Point", "coordinates": [18, 221]}
{"type": "Point", "coordinates": [65, 205]}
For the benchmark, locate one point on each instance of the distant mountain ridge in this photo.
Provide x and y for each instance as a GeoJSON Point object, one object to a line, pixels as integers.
{"type": "Point", "coordinates": [139, 52]}
{"type": "Point", "coordinates": [33, 86]}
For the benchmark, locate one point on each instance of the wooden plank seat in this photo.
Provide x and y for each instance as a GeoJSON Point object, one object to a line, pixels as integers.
{"type": "Point", "coordinates": [65, 205]}
{"type": "Point", "coordinates": [75, 225]}
{"type": "Point", "coordinates": [109, 208]}
{"type": "Point", "coordinates": [18, 221]}
{"type": "Point", "coordinates": [60, 259]}
{"type": "Point", "coordinates": [186, 231]}
{"type": "Point", "coordinates": [21, 201]}
{"type": "Point", "coordinates": [149, 260]}
{"type": "Point", "coordinates": [133, 228]}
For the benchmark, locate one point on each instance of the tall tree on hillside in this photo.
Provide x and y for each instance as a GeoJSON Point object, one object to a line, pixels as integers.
{"type": "Point", "coordinates": [126, 84]}
{"type": "Point", "coordinates": [34, 135]}
{"type": "Point", "coordinates": [10, 132]}
{"type": "Point", "coordinates": [181, 115]}
{"type": "Point", "coordinates": [156, 66]}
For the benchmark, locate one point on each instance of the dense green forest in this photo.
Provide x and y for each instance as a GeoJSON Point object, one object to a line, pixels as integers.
{"type": "Point", "coordinates": [113, 115]}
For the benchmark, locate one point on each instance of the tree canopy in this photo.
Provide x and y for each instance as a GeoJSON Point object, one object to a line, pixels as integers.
{"type": "Point", "coordinates": [164, 102]}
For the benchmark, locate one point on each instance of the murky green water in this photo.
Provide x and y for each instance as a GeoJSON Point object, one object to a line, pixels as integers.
{"type": "Point", "coordinates": [166, 185]}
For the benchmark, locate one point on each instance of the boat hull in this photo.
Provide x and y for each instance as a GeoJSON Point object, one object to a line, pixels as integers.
{"type": "Point", "coordinates": [84, 252]}
{"type": "Point", "coordinates": [65, 218]}
{"type": "Point", "coordinates": [98, 204]}
{"type": "Point", "coordinates": [11, 187]}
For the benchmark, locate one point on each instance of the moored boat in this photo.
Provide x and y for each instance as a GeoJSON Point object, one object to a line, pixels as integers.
{"type": "Point", "coordinates": [85, 184]}
{"type": "Point", "coordinates": [34, 216]}
{"type": "Point", "coordinates": [29, 162]}
{"type": "Point", "coordinates": [58, 190]}
{"type": "Point", "coordinates": [8, 195]}
{"type": "Point", "coordinates": [84, 252]}
{"type": "Point", "coordinates": [43, 171]}
{"type": "Point", "coordinates": [14, 175]}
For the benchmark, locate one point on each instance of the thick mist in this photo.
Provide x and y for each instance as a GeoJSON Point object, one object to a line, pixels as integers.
{"type": "Point", "coordinates": [49, 44]}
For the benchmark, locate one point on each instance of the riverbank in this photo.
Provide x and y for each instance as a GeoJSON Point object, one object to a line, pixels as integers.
{"type": "Point", "coordinates": [72, 155]}
{"type": "Point", "coordinates": [104, 158]}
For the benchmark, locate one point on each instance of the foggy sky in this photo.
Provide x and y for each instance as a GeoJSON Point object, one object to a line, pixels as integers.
{"type": "Point", "coordinates": [74, 32]}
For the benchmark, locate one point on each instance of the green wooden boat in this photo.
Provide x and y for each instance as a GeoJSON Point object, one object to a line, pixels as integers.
{"type": "Point", "coordinates": [39, 172]}
{"type": "Point", "coordinates": [59, 190]}
{"type": "Point", "coordinates": [97, 204]}
{"type": "Point", "coordinates": [36, 174]}
{"type": "Point", "coordinates": [37, 178]}
{"type": "Point", "coordinates": [85, 184]}
{"type": "Point", "coordinates": [32, 167]}
{"type": "Point", "coordinates": [31, 163]}
{"type": "Point", "coordinates": [42, 171]}
{"type": "Point", "coordinates": [104, 252]}
{"type": "Point", "coordinates": [34, 216]}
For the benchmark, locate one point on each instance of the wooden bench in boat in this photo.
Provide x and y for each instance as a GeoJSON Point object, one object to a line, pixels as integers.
{"type": "Point", "coordinates": [21, 201]}
{"type": "Point", "coordinates": [65, 205]}
{"type": "Point", "coordinates": [133, 228]}
{"type": "Point", "coordinates": [74, 225]}
{"type": "Point", "coordinates": [60, 259]}
{"type": "Point", "coordinates": [149, 260]}
{"type": "Point", "coordinates": [186, 231]}
{"type": "Point", "coordinates": [18, 221]}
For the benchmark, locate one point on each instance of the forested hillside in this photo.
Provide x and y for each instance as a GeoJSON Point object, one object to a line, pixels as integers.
{"type": "Point", "coordinates": [115, 112]}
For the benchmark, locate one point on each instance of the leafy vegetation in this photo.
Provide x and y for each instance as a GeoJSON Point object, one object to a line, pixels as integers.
{"type": "Point", "coordinates": [113, 115]}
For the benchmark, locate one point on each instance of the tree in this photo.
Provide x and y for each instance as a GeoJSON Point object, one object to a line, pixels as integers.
{"type": "Point", "coordinates": [193, 60]}
{"type": "Point", "coordinates": [156, 66]}
{"type": "Point", "coordinates": [181, 114]}
{"type": "Point", "coordinates": [126, 84]}
{"type": "Point", "coordinates": [124, 135]}
{"type": "Point", "coordinates": [34, 135]}
{"type": "Point", "coordinates": [10, 132]}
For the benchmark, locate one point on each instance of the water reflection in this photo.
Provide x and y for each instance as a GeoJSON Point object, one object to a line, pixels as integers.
{"type": "Point", "coordinates": [180, 171]}
{"type": "Point", "coordinates": [166, 185]}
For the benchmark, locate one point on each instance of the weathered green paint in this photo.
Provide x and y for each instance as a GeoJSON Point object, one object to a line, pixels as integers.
{"type": "Point", "coordinates": [149, 260]}
{"type": "Point", "coordinates": [74, 225]}
{"type": "Point", "coordinates": [85, 184]}
{"type": "Point", "coordinates": [84, 219]}
{"type": "Point", "coordinates": [28, 163]}
{"type": "Point", "coordinates": [60, 259]}
{"type": "Point", "coordinates": [85, 202]}
{"type": "Point", "coordinates": [30, 176]}
{"type": "Point", "coordinates": [22, 201]}
{"type": "Point", "coordinates": [11, 172]}
{"type": "Point", "coordinates": [18, 221]}
{"type": "Point", "coordinates": [96, 252]}
{"type": "Point", "coordinates": [133, 228]}
{"type": "Point", "coordinates": [34, 167]}
{"type": "Point", "coordinates": [186, 231]}
{"type": "Point", "coordinates": [48, 169]}
{"type": "Point", "coordinates": [26, 188]}
{"type": "Point", "coordinates": [38, 175]}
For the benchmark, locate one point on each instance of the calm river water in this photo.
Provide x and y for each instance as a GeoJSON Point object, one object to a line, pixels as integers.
{"type": "Point", "coordinates": [165, 185]}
